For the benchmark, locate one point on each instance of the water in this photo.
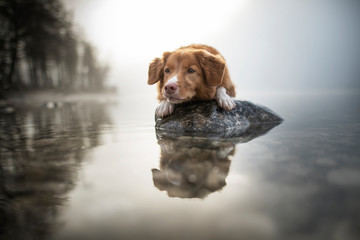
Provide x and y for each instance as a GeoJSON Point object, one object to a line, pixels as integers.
{"type": "Point", "coordinates": [95, 170]}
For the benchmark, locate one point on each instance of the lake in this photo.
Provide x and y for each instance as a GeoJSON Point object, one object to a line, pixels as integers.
{"type": "Point", "coordinates": [98, 170]}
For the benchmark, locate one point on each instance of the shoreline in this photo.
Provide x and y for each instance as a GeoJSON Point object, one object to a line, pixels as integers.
{"type": "Point", "coordinates": [34, 98]}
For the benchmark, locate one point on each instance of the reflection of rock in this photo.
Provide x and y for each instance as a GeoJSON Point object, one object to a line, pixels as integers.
{"type": "Point", "coordinates": [193, 167]}
{"type": "Point", "coordinates": [209, 120]}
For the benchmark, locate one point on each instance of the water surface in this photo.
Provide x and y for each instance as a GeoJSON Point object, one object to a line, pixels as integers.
{"type": "Point", "coordinates": [98, 170]}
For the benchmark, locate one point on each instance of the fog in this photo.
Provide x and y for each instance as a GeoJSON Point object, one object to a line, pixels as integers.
{"type": "Point", "coordinates": [78, 162]}
{"type": "Point", "coordinates": [279, 45]}
{"type": "Point", "coordinates": [294, 44]}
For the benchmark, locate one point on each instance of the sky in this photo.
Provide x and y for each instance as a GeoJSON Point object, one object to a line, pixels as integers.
{"type": "Point", "coordinates": [273, 45]}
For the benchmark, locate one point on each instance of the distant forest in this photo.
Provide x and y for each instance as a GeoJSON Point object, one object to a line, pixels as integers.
{"type": "Point", "coordinates": [39, 49]}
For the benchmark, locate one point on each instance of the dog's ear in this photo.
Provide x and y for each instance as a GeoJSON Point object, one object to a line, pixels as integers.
{"type": "Point", "coordinates": [213, 67]}
{"type": "Point", "coordinates": [160, 180]}
{"type": "Point", "coordinates": [156, 69]}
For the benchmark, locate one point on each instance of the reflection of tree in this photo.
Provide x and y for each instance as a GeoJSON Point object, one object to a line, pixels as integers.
{"type": "Point", "coordinates": [39, 49]}
{"type": "Point", "coordinates": [193, 167]}
{"type": "Point", "coordinates": [40, 153]}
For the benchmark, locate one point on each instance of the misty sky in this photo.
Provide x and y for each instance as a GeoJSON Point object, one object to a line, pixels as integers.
{"type": "Point", "coordinates": [268, 45]}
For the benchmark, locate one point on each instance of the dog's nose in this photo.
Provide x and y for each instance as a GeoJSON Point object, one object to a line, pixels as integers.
{"type": "Point", "coordinates": [170, 88]}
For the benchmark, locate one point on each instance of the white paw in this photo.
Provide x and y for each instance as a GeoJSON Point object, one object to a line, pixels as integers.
{"type": "Point", "coordinates": [165, 108]}
{"type": "Point", "coordinates": [224, 101]}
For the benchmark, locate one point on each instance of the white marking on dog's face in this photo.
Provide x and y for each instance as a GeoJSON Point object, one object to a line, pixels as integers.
{"type": "Point", "coordinates": [173, 97]}
{"type": "Point", "coordinates": [173, 80]}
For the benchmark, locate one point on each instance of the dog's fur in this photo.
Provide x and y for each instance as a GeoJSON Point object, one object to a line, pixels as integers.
{"type": "Point", "coordinates": [195, 72]}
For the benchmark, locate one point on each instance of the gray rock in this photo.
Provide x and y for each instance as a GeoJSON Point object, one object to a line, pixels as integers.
{"type": "Point", "coordinates": [207, 119]}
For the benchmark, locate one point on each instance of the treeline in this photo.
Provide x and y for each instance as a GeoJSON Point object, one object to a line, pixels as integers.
{"type": "Point", "coordinates": [40, 49]}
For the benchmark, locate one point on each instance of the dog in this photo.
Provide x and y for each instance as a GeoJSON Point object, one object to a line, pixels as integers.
{"type": "Point", "coordinates": [192, 73]}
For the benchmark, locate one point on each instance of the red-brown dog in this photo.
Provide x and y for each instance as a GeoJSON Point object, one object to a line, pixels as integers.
{"type": "Point", "coordinates": [195, 72]}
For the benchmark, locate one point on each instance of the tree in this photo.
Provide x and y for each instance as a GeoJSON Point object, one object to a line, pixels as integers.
{"type": "Point", "coordinates": [39, 48]}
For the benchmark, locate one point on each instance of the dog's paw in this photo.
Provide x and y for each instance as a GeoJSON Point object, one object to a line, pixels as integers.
{"type": "Point", "coordinates": [224, 101]}
{"type": "Point", "coordinates": [165, 108]}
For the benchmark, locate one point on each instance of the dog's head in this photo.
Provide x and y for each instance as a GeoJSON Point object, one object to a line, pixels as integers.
{"type": "Point", "coordinates": [187, 74]}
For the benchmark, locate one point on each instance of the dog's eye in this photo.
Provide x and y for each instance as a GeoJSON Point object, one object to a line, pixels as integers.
{"type": "Point", "coordinates": [167, 70]}
{"type": "Point", "coordinates": [190, 70]}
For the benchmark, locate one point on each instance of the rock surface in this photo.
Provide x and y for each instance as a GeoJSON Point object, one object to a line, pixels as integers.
{"type": "Point", "coordinates": [207, 119]}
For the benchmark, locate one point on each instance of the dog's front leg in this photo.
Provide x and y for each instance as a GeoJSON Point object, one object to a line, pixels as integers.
{"type": "Point", "coordinates": [165, 108]}
{"type": "Point", "coordinates": [224, 100]}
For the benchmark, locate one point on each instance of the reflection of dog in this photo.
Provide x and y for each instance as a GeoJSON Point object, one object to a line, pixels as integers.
{"type": "Point", "coordinates": [192, 168]}
{"type": "Point", "coordinates": [195, 72]}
